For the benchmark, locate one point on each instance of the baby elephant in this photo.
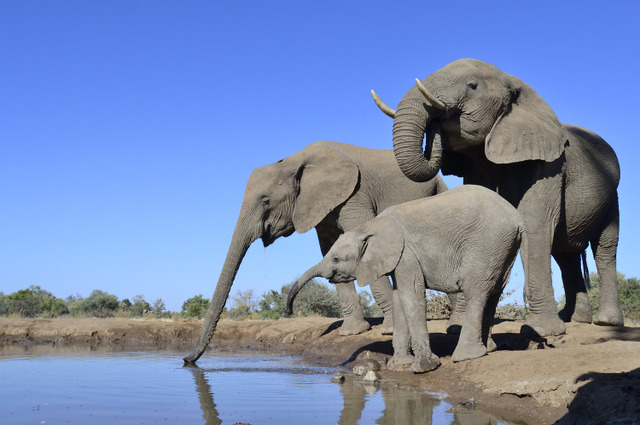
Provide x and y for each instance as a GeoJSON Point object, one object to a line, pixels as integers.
{"type": "Point", "coordinates": [463, 240]}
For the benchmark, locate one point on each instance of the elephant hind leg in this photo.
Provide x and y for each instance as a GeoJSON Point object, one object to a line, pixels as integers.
{"type": "Point", "coordinates": [604, 252]}
{"type": "Point", "coordinates": [577, 307]}
{"type": "Point", "coordinates": [470, 344]}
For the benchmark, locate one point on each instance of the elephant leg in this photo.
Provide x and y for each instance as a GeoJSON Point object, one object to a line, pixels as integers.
{"type": "Point", "coordinates": [354, 322]}
{"type": "Point", "coordinates": [577, 307]}
{"type": "Point", "coordinates": [458, 302]}
{"type": "Point", "coordinates": [410, 284]}
{"type": "Point", "coordinates": [383, 294]}
{"type": "Point", "coordinates": [470, 344]}
{"type": "Point", "coordinates": [487, 321]}
{"type": "Point", "coordinates": [401, 338]}
{"type": "Point", "coordinates": [543, 319]}
{"type": "Point", "coordinates": [604, 252]}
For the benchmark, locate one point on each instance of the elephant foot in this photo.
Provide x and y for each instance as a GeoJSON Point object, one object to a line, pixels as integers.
{"type": "Point", "coordinates": [353, 327]}
{"type": "Point", "coordinates": [468, 352]}
{"type": "Point", "coordinates": [580, 312]}
{"type": "Point", "coordinates": [400, 361]}
{"type": "Point", "coordinates": [609, 316]}
{"type": "Point", "coordinates": [491, 345]}
{"type": "Point", "coordinates": [543, 325]}
{"type": "Point", "coordinates": [453, 328]}
{"type": "Point", "coordinates": [426, 364]}
{"type": "Point", "coordinates": [387, 325]}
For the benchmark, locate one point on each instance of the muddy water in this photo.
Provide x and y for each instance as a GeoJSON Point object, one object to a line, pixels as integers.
{"type": "Point", "coordinates": [77, 385]}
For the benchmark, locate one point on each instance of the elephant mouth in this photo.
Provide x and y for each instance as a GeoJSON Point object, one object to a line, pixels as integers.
{"type": "Point", "coordinates": [269, 236]}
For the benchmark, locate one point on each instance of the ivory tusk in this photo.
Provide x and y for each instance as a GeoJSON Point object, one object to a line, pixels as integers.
{"type": "Point", "coordinates": [383, 107]}
{"type": "Point", "coordinates": [434, 102]}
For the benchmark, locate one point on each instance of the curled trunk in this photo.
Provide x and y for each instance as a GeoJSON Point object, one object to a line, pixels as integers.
{"type": "Point", "coordinates": [302, 280]}
{"type": "Point", "coordinates": [240, 243]}
{"type": "Point", "coordinates": [411, 122]}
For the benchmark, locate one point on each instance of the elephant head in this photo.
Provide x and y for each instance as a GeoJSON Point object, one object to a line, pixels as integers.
{"type": "Point", "coordinates": [294, 194]}
{"type": "Point", "coordinates": [470, 107]}
{"type": "Point", "coordinates": [365, 254]}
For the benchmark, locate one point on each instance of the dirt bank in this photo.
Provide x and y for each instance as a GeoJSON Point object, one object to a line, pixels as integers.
{"type": "Point", "coordinates": [589, 375]}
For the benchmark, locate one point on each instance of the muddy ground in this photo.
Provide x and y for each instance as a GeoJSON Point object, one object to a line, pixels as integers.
{"type": "Point", "coordinates": [589, 375]}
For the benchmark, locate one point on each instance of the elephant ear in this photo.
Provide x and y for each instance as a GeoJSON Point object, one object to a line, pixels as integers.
{"type": "Point", "coordinates": [326, 179]}
{"type": "Point", "coordinates": [383, 247]}
{"type": "Point", "coordinates": [527, 130]}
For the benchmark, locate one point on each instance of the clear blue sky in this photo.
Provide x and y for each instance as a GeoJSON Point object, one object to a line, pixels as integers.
{"type": "Point", "coordinates": [129, 128]}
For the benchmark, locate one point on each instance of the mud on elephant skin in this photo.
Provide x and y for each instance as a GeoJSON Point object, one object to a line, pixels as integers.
{"type": "Point", "coordinates": [463, 241]}
{"type": "Point", "coordinates": [330, 186]}
{"type": "Point", "coordinates": [494, 130]}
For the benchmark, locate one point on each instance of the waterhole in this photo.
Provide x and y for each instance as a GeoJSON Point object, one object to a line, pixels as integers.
{"type": "Point", "coordinates": [80, 385]}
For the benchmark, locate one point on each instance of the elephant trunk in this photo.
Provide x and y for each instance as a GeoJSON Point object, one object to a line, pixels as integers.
{"type": "Point", "coordinates": [240, 242]}
{"type": "Point", "coordinates": [412, 120]}
{"type": "Point", "coordinates": [302, 280]}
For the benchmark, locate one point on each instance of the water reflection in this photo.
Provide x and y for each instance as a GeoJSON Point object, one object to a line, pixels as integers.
{"type": "Point", "coordinates": [400, 406]}
{"type": "Point", "coordinates": [205, 396]}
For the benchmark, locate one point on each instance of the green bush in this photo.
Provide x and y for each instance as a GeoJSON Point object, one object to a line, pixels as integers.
{"type": "Point", "coordinates": [31, 302]}
{"type": "Point", "coordinates": [97, 304]}
{"type": "Point", "coordinates": [195, 307]}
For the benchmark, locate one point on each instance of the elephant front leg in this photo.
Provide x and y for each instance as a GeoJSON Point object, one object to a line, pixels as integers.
{"type": "Point", "coordinates": [458, 306]}
{"type": "Point", "coordinates": [411, 292]}
{"type": "Point", "coordinates": [543, 319]}
{"type": "Point", "coordinates": [383, 294]}
{"type": "Point", "coordinates": [402, 356]}
{"type": "Point", "coordinates": [353, 323]}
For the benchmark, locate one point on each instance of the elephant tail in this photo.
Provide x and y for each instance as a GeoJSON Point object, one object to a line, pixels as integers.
{"type": "Point", "coordinates": [585, 268]}
{"type": "Point", "coordinates": [524, 256]}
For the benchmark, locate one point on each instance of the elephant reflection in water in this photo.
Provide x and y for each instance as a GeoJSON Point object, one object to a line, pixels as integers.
{"type": "Point", "coordinates": [400, 406]}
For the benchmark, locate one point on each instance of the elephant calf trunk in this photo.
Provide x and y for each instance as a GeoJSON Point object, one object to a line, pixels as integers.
{"type": "Point", "coordinates": [297, 286]}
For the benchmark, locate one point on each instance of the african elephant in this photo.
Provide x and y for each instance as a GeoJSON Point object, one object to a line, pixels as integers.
{"type": "Point", "coordinates": [494, 130]}
{"type": "Point", "coordinates": [327, 185]}
{"type": "Point", "coordinates": [464, 240]}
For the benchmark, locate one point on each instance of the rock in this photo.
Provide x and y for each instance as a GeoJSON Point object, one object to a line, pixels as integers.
{"type": "Point", "coordinates": [338, 378]}
{"type": "Point", "coordinates": [366, 366]}
{"type": "Point", "coordinates": [371, 377]}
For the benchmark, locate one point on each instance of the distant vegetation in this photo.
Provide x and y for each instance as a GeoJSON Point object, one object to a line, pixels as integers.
{"type": "Point", "coordinates": [315, 299]}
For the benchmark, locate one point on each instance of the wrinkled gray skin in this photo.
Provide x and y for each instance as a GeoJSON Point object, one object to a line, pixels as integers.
{"type": "Point", "coordinates": [464, 240]}
{"type": "Point", "coordinates": [497, 132]}
{"type": "Point", "coordinates": [330, 186]}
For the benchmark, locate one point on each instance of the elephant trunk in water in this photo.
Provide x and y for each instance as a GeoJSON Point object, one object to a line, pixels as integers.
{"type": "Point", "coordinates": [240, 242]}
{"type": "Point", "coordinates": [411, 122]}
{"type": "Point", "coordinates": [302, 280]}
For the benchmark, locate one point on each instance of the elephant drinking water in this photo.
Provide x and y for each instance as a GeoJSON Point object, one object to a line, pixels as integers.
{"type": "Point", "coordinates": [330, 186]}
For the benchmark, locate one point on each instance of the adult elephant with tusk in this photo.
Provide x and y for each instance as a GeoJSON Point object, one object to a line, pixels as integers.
{"type": "Point", "coordinates": [331, 186]}
{"type": "Point", "coordinates": [494, 130]}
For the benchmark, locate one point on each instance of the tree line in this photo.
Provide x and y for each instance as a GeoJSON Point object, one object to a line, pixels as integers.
{"type": "Point", "coordinates": [316, 298]}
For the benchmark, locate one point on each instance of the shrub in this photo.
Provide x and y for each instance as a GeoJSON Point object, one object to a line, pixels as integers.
{"type": "Point", "coordinates": [97, 304]}
{"type": "Point", "coordinates": [195, 307]}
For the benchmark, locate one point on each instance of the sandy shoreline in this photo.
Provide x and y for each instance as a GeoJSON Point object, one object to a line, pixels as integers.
{"type": "Point", "coordinates": [592, 373]}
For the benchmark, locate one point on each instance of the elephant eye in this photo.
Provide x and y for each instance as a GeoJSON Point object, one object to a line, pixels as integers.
{"type": "Point", "coordinates": [266, 202]}
{"type": "Point", "coordinates": [335, 259]}
{"type": "Point", "coordinates": [472, 85]}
